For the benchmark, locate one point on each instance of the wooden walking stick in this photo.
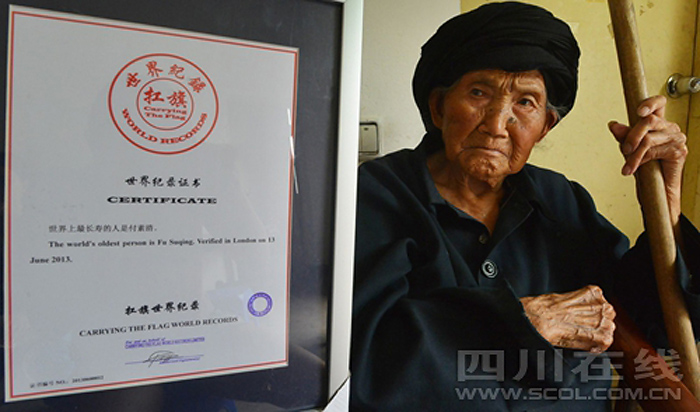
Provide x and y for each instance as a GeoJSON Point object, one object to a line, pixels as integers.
{"type": "Point", "coordinates": [653, 199]}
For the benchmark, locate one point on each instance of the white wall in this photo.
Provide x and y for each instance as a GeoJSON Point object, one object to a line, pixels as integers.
{"type": "Point", "coordinates": [394, 31]}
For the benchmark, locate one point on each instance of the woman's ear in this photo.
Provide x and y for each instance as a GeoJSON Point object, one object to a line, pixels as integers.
{"type": "Point", "coordinates": [435, 101]}
{"type": "Point", "coordinates": [552, 118]}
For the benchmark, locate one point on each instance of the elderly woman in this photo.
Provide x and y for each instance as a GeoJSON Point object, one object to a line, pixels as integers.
{"type": "Point", "coordinates": [482, 282]}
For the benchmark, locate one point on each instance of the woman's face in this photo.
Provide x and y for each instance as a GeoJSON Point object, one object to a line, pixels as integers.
{"type": "Point", "coordinates": [490, 121]}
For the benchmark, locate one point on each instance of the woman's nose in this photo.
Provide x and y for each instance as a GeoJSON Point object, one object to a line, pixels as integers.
{"type": "Point", "coordinates": [496, 120]}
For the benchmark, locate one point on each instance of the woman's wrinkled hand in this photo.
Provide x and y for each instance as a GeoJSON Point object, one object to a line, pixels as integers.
{"type": "Point", "coordinates": [654, 137]}
{"type": "Point", "coordinates": [581, 319]}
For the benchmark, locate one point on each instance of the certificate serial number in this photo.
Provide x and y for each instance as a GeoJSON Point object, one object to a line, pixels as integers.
{"type": "Point", "coordinates": [88, 379]}
{"type": "Point", "coordinates": [62, 382]}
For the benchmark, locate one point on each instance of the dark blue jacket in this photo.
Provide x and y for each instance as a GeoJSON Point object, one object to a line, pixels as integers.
{"type": "Point", "coordinates": [437, 321]}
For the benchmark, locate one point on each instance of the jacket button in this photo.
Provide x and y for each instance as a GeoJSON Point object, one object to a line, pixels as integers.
{"type": "Point", "coordinates": [483, 238]}
{"type": "Point", "coordinates": [489, 269]}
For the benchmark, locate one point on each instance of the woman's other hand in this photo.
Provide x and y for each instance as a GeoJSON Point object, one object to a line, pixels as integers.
{"type": "Point", "coordinates": [581, 319]}
{"type": "Point", "coordinates": [654, 137]}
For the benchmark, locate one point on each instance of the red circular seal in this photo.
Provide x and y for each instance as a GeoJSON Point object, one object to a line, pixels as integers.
{"type": "Point", "coordinates": [163, 103]}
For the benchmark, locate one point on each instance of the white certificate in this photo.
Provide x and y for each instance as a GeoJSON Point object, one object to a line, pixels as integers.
{"type": "Point", "coordinates": [148, 204]}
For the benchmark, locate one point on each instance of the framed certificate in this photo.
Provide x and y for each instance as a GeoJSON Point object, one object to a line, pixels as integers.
{"type": "Point", "coordinates": [169, 203]}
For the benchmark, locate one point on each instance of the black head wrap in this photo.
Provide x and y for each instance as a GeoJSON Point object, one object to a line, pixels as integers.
{"type": "Point", "coordinates": [509, 36]}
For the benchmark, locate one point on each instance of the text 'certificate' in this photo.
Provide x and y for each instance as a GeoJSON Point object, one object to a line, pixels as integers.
{"type": "Point", "coordinates": [148, 204]}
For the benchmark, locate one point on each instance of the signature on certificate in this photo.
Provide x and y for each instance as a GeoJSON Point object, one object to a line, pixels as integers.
{"type": "Point", "coordinates": [162, 357]}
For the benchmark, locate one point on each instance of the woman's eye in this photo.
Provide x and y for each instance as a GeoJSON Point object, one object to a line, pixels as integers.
{"type": "Point", "coordinates": [477, 92]}
{"type": "Point", "coordinates": [526, 102]}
